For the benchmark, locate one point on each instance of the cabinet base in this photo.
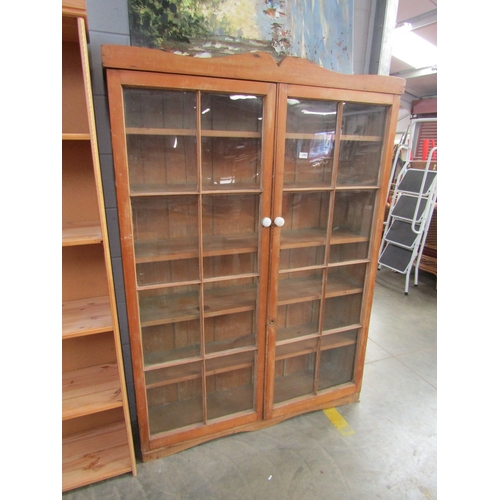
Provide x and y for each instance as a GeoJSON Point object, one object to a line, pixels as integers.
{"type": "Point", "coordinates": [166, 451]}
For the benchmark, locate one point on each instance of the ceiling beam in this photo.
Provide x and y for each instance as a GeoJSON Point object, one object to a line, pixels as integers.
{"type": "Point", "coordinates": [415, 73]}
{"type": "Point", "coordinates": [421, 20]}
{"type": "Point", "coordinates": [382, 38]}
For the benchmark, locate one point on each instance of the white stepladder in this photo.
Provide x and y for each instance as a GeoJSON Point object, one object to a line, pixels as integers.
{"type": "Point", "coordinates": [410, 211]}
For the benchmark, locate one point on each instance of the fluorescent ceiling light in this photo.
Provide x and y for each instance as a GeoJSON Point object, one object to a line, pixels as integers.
{"type": "Point", "coordinates": [413, 49]}
{"type": "Point", "coordinates": [322, 113]}
{"type": "Point", "coordinates": [292, 102]}
{"type": "Point", "coordinates": [237, 97]}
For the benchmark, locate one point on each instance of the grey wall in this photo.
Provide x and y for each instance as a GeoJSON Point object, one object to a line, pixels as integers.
{"type": "Point", "coordinates": [108, 24]}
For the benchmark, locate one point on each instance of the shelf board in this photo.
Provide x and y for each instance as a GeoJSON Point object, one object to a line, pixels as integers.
{"type": "Point", "coordinates": [244, 134]}
{"type": "Point", "coordinates": [90, 390]}
{"type": "Point", "coordinates": [81, 233]}
{"type": "Point", "coordinates": [231, 244]}
{"type": "Point", "coordinates": [174, 373]}
{"type": "Point", "coordinates": [95, 455]}
{"type": "Point", "coordinates": [343, 137]}
{"type": "Point", "coordinates": [86, 317]}
{"type": "Point", "coordinates": [184, 307]}
{"type": "Point", "coordinates": [187, 248]}
{"type": "Point", "coordinates": [299, 290]}
{"type": "Point", "coordinates": [76, 136]}
{"type": "Point", "coordinates": [338, 340]}
{"type": "Point", "coordinates": [362, 138]}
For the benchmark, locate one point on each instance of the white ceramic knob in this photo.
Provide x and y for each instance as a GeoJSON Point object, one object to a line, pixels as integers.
{"type": "Point", "coordinates": [266, 221]}
{"type": "Point", "coordinates": [279, 221]}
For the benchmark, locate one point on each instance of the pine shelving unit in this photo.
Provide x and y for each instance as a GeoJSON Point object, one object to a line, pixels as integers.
{"type": "Point", "coordinates": [96, 434]}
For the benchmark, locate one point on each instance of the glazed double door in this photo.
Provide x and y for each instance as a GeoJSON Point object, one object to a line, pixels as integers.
{"type": "Point", "coordinates": [246, 213]}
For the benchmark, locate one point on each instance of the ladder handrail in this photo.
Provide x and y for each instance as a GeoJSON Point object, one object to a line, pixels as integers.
{"type": "Point", "coordinates": [420, 194]}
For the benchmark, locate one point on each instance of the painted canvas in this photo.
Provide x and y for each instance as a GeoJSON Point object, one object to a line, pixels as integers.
{"type": "Point", "coordinates": [317, 30]}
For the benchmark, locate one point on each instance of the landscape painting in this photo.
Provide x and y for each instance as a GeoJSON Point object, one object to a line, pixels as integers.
{"type": "Point", "coordinates": [317, 30]}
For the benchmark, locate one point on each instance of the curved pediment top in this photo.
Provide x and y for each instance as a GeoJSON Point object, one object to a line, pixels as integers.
{"type": "Point", "coordinates": [256, 66]}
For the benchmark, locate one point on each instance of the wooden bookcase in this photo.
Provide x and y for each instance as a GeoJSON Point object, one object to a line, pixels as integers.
{"type": "Point", "coordinates": [96, 433]}
{"type": "Point", "coordinates": [250, 200]}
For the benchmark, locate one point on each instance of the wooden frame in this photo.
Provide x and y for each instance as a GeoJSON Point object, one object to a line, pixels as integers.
{"type": "Point", "coordinates": [97, 438]}
{"type": "Point", "coordinates": [315, 275]}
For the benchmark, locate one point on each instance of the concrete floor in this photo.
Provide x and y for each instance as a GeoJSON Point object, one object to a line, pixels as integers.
{"type": "Point", "coordinates": [384, 446]}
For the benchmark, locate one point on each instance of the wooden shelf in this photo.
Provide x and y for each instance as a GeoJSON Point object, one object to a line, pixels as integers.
{"type": "Point", "coordinates": [338, 339]}
{"type": "Point", "coordinates": [76, 137]}
{"type": "Point", "coordinates": [95, 455]}
{"type": "Point", "coordinates": [298, 385]}
{"type": "Point", "coordinates": [81, 233]}
{"type": "Point", "coordinates": [307, 289]}
{"type": "Point", "coordinates": [187, 248]}
{"type": "Point", "coordinates": [303, 238]}
{"type": "Point", "coordinates": [90, 390]}
{"type": "Point", "coordinates": [243, 134]}
{"type": "Point", "coordinates": [343, 137]}
{"type": "Point", "coordinates": [86, 317]}
{"type": "Point", "coordinates": [185, 306]}
{"type": "Point", "coordinates": [362, 138]}
{"type": "Point", "coordinates": [190, 369]}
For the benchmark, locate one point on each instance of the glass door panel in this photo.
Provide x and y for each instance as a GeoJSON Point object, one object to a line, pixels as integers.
{"type": "Point", "coordinates": [231, 141]}
{"type": "Point", "coordinates": [161, 140]}
{"type": "Point", "coordinates": [352, 223]}
{"type": "Point", "coordinates": [174, 397]}
{"type": "Point", "coordinates": [165, 232]}
{"type": "Point", "coordinates": [171, 342]}
{"type": "Point", "coordinates": [294, 370]}
{"type": "Point", "coordinates": [363, 129]}
{"type": "Point", "coordinates": [230, 384]}
{"type": "Point", "coordinates": [230, 331]}
{"type": "Point", "coordinates": [230, 234]}
{"type": "Point", "coordinates": [310, 137]}
{"type": "Point", "coordinates": [336, 366]}
{"type": "Point", "coordinates": [303, 236]}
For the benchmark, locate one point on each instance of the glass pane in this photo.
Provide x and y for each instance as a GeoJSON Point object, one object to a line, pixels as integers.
{"type": "Point", "coordinates": [171, 342]}
{"type": "Point", "coordinates": [230, 384]}
{"type": "Point", "coordinates": [169, 305]}
{"type": "Point", "coordinates": [230, 331]}
{"type": "Point", "coordinates": [363, 128]}
{"type": "Point", "coordinates": [175, 397]}
{"type": "Point", "coordinates": [231, 112]}
{"type": "Point", "coordinates": [310, 136]}
{"type": "Point", "coordinates": [231, 141]}
{"type": "Point", "coordinates": [352, 221]}
{"type": "Point", "coordinates": [161, 139]}
{"type": "Point", "coordinates": [336, 366]}
{"type": "Point", "coordinates": [297, 320]}
{"type": "Point", "coordinates": [298, 287]}
{"type": "Point", "coordinates": [161, 162]}
{"type": "Point", "coordinates": [345, 280]}
{"type": "Point", "coordinates": [294, 370]}
{"type": "Point", "coordinates": [166, 239]}
{"type": "Point", "coordinates": [230, 238]}
{"type": "Point", "coordinates": [230, 297]}
{"type": "Point", "coordinates": [303, 236]}
{"type": "Point", "coordinates": [342, 311]}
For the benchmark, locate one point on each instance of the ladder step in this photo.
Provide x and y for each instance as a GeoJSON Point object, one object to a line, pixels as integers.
{"type": "Point", "coordinates": [412, 181]}
{"type": "Point", "coordinates": [401, 233]}
{"type": "Point", "coordinates": [396, 258]}
{"type": "Point", "coordinates": [405, 207]}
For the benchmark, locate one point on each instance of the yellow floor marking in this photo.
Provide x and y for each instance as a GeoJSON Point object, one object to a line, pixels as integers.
{"type": "Point", "coordinates": [339, 422]}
